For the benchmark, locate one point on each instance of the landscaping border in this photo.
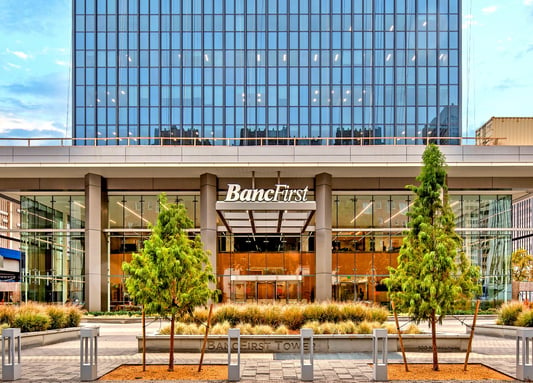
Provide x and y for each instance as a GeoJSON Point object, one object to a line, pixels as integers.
{"type": "Point", "coordinates": [291, 343]}
{"type": "Point", "coordinates": [43, 338]}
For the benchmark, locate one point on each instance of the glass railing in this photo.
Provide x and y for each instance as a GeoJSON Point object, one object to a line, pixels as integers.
{"type": "Point", "coordinates": [248, 141]}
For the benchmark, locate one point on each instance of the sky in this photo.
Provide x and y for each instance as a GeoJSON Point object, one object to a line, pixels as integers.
{"type": "Point", "coordinates": [35, 72]}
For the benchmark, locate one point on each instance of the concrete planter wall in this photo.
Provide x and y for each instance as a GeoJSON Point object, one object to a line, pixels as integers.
{"type": "Point", "coordinates": [495, 330]}
{"type": "Point", "coordinates": [291, 343]}
{"type": "Point", "coordinates": [42, 338]}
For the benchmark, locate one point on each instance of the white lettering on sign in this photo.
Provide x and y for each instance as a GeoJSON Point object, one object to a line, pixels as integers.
{"type": "Point", "coordinates": [281, 193]}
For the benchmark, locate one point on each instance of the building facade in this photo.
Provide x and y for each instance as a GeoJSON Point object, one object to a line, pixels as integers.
{"type": "Point", "coordinates": [249, 72]}
{"type": "Point", "coordinates": [10, 256]}
{"type": "Point", "coordinates": [506, 131]}
{"type": "Point", "coordinates": [283, 224]}
{"type": "Point", "coordinates": [511, 131]}
{"type": "Point", "coordinates": [289, 131]}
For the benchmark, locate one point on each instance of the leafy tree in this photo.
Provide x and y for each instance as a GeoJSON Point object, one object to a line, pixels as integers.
{"type": "Point", "coordinates": [171, 275]}
{"type": "Point", "coordinates": [522, 263]}
{"type": "Point", "coordinates": [433, 276]}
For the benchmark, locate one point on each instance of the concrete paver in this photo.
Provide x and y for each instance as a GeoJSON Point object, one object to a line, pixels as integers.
{"type": "Point", "coordinates": [117, 345]}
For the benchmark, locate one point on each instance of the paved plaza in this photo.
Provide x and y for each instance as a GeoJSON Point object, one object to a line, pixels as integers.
{"type": "Point", "coordinates": [117, 344]}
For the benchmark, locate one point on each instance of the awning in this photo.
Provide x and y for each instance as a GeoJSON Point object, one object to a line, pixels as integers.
{"type": "Point", "coordinates": [9, 253]}
{"type": "Point", "coordinates": [266, 217]}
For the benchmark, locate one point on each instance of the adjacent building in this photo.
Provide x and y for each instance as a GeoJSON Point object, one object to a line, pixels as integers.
{"type": "Point", "coordinates": [10, 256]}
{"type": "Point", "coordinates": [506, 131]}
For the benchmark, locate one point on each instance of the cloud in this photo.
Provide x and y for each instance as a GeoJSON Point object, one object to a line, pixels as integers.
{"type": "Point", "coordinates": [11, 66]}
{"type": "Point", "coordinates": [491, 9]}
{"type": "Point", "coordinates": [30, 16]}
{"type": "Point", "coordinates": [509, 83]}
{"type": "Point", "coordinates": [528, 2]}
{"type": "Point", "coordinates": [53, 84]}
{"type": "Point", "coordinates": [20, 55]}
{"type": "Point", "coordinates": [30, 127]}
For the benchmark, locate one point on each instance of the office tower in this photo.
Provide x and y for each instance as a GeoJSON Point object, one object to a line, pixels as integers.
{"type": "Point", "coordinates": [248, 72]}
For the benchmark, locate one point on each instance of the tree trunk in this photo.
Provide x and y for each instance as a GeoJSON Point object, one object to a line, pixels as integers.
{"type": "Point", "coordinates": [434, 341]}
{"type": "Point", "coordinates": [171, 353]}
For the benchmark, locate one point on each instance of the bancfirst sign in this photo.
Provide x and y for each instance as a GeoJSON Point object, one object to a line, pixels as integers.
{"type": "Point", "coordinates": [280, 193]}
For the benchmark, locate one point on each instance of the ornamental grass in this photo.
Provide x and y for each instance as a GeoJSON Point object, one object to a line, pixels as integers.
{"type": "Point", "coordinates": [30, 317]}
{"type": "Point", "coordinates": [509, 312]}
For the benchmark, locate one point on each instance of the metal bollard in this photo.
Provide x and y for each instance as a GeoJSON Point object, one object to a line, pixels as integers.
{"type": "Point", "coordinates": [11, 368]}
{"type": "Point", "coordinates": [234, 369]}
{"type": "Point", "coordinates": [89, 353]}
{"type": "Point", "coordinates": [307, 366]}
{"type": "Point", "coordinates": [524, 357]}
{"type": "Point", "coordinates": [379, 363]}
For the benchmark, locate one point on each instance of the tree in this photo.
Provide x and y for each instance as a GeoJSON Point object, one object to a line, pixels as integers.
{"type": "Point", "coordinates": [433, 276]}
{"type": "Point", "coordinates": [172, 274]}
{"type": "Point", "coordinates": [522, 263]}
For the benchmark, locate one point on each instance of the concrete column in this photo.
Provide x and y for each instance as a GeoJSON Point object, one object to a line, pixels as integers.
{"type": "Point", "coordinates": [96, 259]}
{"type": "Point", "coordinates": [208, 216]}
{"type": "Point", "coordinates": [323, 236]}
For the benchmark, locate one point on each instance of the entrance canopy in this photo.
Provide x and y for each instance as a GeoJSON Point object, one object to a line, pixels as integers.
{"type": "Point", "coordinates": [266, 217]}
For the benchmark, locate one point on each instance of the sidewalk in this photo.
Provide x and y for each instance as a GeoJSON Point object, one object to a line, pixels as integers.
{"type": "Point", "coordinates": [117, 345]}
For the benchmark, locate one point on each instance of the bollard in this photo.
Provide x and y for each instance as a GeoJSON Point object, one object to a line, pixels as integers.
{"type": "Point", "coordinates": [10, 364]}
{"type": "Point", "coordinates": [524, 357]}
{"type": "Point", "coordinates": [379, 364]}
{"type": "Point", "coordinates": [307, 366]}
{"type": "Point", "coordinates": [89, 353]}
{"type": "Point", "coordinates": [234, 369]}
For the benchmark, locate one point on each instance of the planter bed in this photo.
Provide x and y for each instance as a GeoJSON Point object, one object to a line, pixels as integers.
{"type": "Point", "coordinates": [291, 343]}
{"type": "Point", "coordinates": [495, 330]}
{"type": "Point", "coordinates": [43, 338]}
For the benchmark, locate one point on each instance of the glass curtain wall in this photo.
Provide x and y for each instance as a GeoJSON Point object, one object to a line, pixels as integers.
{"type": "Point", "coordinates": [130, 217]}
{"type": "Point", "coordinates": [266, 72]}
{"type": "Point", "coordinates": [54, 248]}
{"type": "Point", "coordinates": [369, 229]}
{"type": "Point", "coordinates": [482, 220]}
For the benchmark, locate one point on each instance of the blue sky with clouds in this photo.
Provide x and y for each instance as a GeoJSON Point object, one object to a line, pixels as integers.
{"type": "Point", "coordinates": [35, 45]}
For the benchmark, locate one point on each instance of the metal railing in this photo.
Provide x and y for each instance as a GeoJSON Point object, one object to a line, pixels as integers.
{"type": "Point", "coordinates": [246, 141]}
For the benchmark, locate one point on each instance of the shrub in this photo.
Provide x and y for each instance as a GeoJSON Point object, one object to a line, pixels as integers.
{"type": "Point", "coordinates": [329, 328]}
{"type": "Point", "coordinates": [7, 314]}
{"type": "Point", "coordinates": [293, 317]}
{"type": "Point", "coordinates": [377, 314]}
{"type": "Point", "coordinates": [28, 321]}
{"type": "Point", "coordinates": [272, 315]}
{"type": "Point", "coordinates": [58, 316]}
{"type": "Point", "coordinates": [250, 314]}
{"type": "Point", "coordinates": [73, 316]}
{"type": "Point", "coordinates": [181, 328]}
{"type": "Point", "coordinates": [246, 328]}
{"type": "Point", "coordinates": [347, 327]}
{"type": "Point", "coordinates": [331, 312]}
{"type": "Point", "coordinates": [525, 319]}
{"type": "Point", "coordinates": [412, 329]}
{"type": "Point", "coordinates": [355, 312]}
{"type": "Point", "coordinates": [262, 329]}
{"type": "Point", "coordinates": [508, 312]}
{"type": "Point", "coordinates": [282, 330]}
{"type": "Point", "coordinates": [313, 312]}
{"type": "Point", "coordinates": [200, 315]}
{"type": "Point", "coordinates": [220, 328]}
{"type": "Point", "coordinates": [227, 313]}
{"type": "Point", "coordinates": [313, 325]}
{"type": "Point", "coordinates": [366, 327]}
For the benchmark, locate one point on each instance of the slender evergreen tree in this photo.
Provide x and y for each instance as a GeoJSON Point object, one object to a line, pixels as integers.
{"type": "Point", "coordinates": [172, 274]}
{"type": "Point", "coordinates": [433, 276]}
